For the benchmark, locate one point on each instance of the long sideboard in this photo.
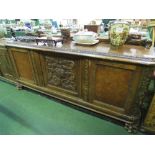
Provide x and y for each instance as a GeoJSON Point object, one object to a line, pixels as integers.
{"type": "Point", "coordinates": [110, 82]}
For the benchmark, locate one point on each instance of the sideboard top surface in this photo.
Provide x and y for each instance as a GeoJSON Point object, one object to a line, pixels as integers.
{"type": "Point", "coordinates": [126, 53]}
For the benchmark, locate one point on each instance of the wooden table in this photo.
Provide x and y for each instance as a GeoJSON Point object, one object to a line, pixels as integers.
{"type": "Point", "coordinates": [49, 41]}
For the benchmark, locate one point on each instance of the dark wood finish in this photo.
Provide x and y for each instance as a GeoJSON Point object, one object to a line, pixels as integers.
{"type": "Point", "coordinates": [107, 76]}
{"type": "Point", "coordinates": [105, 80]}
{"type": "Point", "coordinates": [149, 122]}
{"type": "Point", "coordinates": [0, 72]}
{"type": "Point", "coordinates": [23, 64]}
{"type": "Point", "coordinates": [62, 73]}
{"type": "Point", "coordinates": [5, 64]}
{"type": "Point", "coordinates": [65, 33]}
{"type": "Point", "coordinates": [127, 53]}
{"type": "Point", "coordinates": [49, 41]}
{"type": "Point", "coordinates": [94, 28]}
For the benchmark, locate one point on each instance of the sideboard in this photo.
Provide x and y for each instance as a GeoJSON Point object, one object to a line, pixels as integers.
{"type": "Point", "coordinates": [111, 82]}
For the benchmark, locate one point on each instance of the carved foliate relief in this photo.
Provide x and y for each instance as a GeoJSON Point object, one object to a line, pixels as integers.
{"type": "Point", "coordinates": [150, 122]}
{"type": "Point", "coordinates": [86, 82]}
{"type": "Point", "coordinates": [147, 73]}
{"type": "Point", "coordinates": [61, 73]}
{"type": "Point", "coordinates": [150, 118]}
{"type": "Point", "coordinates": [143, 88]}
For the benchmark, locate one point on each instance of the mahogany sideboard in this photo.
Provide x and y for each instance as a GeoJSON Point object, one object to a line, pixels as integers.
{"type": "Point", "coordinates": [112, 82]}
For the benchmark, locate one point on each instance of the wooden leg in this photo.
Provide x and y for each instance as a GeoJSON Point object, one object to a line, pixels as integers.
{"type": "Point", "coordinates": [19, 86]}
{"type": "Point", "coordinates": [131, 127]}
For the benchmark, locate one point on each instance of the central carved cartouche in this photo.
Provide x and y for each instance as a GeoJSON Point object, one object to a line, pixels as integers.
{"type": "Point", "coordinates": [61, 73]}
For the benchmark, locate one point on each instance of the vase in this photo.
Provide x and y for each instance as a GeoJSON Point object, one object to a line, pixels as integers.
{"type": "Point", "coordinates": [118, 33]}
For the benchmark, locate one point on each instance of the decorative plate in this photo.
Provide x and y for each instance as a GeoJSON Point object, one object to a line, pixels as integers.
{"type": "Point", "coordinates": [86, 43]}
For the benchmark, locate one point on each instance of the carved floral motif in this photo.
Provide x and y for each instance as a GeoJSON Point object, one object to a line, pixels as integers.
{"type": "Point", "coordinates": [86, 80]}
{"type": "Point", "coordinates": [143, 87]}
{"type": "Point", "coordinates": [61, 73]}
{"type": "Point", "coordinates": [150, 118]}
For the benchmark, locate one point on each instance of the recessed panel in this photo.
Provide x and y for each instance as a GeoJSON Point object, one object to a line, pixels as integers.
{"type": "Point", "coordinates": [112, 85]}
{"type": "Point", "coordinates": [23, 65]}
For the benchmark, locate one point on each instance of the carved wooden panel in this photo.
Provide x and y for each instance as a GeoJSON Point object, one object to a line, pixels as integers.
{"type": "Point", "coordinates": [23, 64]}
{"type": "Point", "coordinates": [144, 81]}
{"type": "Point", "coordinates": [85, 82]}
{"type": "Point", "coordinates": [150, 118]}
{"type": "Point", "coordinates": [63, 72]}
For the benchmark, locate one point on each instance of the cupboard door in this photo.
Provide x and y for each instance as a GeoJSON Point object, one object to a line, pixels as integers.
{"type": "Point", "coordinates": [5, 64]}
{"type": "Point", "coordinates": [23, 65]}
{"type": "Point", "coordinates": [112, 85]}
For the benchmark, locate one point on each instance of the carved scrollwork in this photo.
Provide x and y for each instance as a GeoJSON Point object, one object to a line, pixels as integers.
{"type": "Point", "coordinates": [150, 122]}
{"type": "Point", "coordinates": [143, 88]}
{"type": "Point", "coordinates": [61, 73]}
{"type": "Point", "coordinates": [146, 78]}
{"type": "Point", "coordinates": [86, 80]}
{"type": "Point", "coordinates": [150, 118]}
